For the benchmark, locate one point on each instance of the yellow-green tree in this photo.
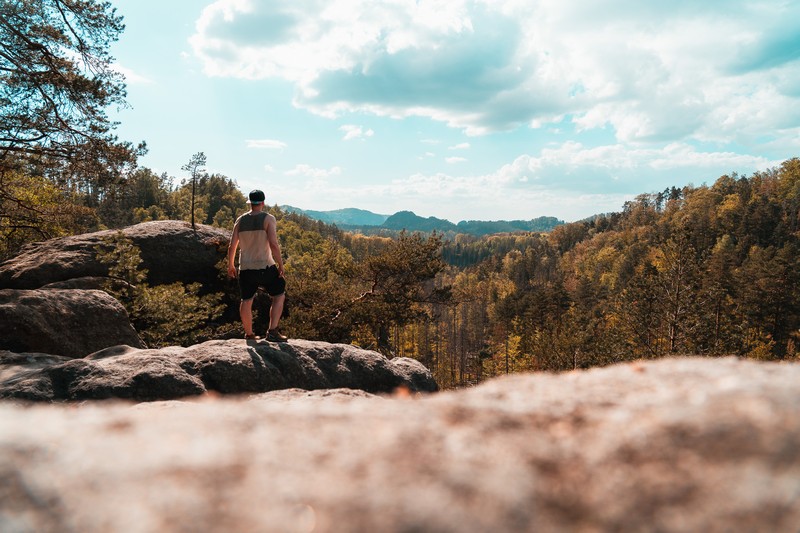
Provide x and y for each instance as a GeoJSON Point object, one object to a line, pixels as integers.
{"type": "Point", "coordinates": [34, 209]}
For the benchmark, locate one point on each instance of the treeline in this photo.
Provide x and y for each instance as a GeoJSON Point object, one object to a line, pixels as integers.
{"type": "Point", "coordinates": [409, 221]}
{"type": "Point", "coordinates": [480, 227]}
{"type": "Point", "coordinates": [41, 206]}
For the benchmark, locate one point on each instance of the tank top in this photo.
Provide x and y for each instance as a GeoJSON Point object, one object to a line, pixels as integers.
{"type": "Point", "coordinates": [254, 250]}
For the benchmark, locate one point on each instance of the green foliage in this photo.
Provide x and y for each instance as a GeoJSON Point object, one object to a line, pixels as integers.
{"type": "Point", "coordinates": [57, 145]}
{"type": "Point", "coordinates": [340, 299]}
{"type": "Point", "coordinates": [319, 272]}
{"type": "Point", "coordinates": [144, 196]}
{"type": "Point", "coordinates": [480, 228]}
{"type": "Point", "coordinates": [218, 201]}
{"type": "Point", "coordinates": [56, 76]}
{"type": "Point", "coordinates": [466, 250]}
{"type": "Point", "coordinates": [175, 314]}
{"type": "Point", "coordinates": [164, 314]}
{"type": "Point", "coordinates": [396, 283]}
{"type": "Point", "coordinates": [34, 209]}
{"type": "Point", "coordinates": [56, 82]}
{"type": "Point", "coordinates": [123, 259]}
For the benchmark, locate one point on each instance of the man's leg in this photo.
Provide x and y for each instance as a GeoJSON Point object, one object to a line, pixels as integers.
{"type": "Point", "coordinates": [276, 310]}
{"type": "Point", "coordinates": [246, 314]}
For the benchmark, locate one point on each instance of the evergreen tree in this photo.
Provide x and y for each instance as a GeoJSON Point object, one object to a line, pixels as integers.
{"type": "Point", "coordinates": [56, 82]}
{"type": "Point", "coordinates": [195, 168]}
{"type": "Point", "coordinates": [56, 78]}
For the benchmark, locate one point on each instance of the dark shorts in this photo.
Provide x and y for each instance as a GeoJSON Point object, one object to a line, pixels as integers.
{"type": "Point", "coordinates": [251, 280]}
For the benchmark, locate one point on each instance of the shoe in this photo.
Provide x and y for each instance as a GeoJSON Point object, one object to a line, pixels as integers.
{"type": "Point", "coordinates": [252, 337]}
{"type": "Point", "coordinates": [274, 336]}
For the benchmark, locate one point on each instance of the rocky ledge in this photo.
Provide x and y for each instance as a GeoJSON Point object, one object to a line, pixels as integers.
{"type": "Point", "coordinates": [232, 366]}
{"type": "Point", "coordinates": [171, 251]}
{"type": "Point", "coordinates": [67, 322]}
{"type": "Point", "coordinates": [689, 444]}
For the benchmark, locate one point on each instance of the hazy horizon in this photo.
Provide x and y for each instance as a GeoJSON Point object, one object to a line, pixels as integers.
{"type": "Point", "coordinates": [387, 215]}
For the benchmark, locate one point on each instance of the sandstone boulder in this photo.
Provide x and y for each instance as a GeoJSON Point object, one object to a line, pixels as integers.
{"type": "Point", "coordinates": [171, 251]}
{"type": "Point", "coordinates": [232, 366]}
{"type": "Point", "coordinates": [70, 323]}
{"type": "Point", "coordinates": [672, 446]}
{"type": "Point", "coordinates": [86, 283]}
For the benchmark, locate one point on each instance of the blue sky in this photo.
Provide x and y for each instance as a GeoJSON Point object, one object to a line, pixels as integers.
{"type": "Point", "coordinates": [462, 109]}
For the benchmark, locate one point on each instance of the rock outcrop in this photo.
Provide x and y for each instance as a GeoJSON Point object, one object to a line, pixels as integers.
{"type": "Point", "coordinates": [68, 322]}
{"type": "Point", "coordinates": [171, 251]}
{"type": "Point", "coordinates": [673, 445]}
{"type": "Point", "coordinates": [232, 366]}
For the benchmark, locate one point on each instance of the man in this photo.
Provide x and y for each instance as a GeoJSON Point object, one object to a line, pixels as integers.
{"type": "Point", "coordinates": [260, 265]}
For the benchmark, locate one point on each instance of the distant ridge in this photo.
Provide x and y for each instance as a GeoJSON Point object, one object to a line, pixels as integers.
{"type": "Point", "coordinates": [349, 216]}
{"type": "Point", "coordinates": [409, 221]}
{"type": "Point", "coordinates": [369, 222]}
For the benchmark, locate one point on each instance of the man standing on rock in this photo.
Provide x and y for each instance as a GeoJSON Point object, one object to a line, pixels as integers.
{"type": "Point", "coordinates": [260, 265]}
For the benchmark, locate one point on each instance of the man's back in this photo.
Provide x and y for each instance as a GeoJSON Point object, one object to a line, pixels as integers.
{"type": "Point", "coordinates": [255, 253]}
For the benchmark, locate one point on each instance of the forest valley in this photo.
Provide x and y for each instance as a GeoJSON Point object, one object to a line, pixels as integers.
{"type": "Point", "coordinates": [709, 271]}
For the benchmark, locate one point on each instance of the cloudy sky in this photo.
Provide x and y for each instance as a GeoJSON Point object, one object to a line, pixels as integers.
{"type": "Point", "coordinates": [463, 109]}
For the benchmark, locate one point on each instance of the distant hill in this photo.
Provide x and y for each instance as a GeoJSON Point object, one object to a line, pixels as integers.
{"type": "Point", "coordinates": [407, 220]}
{"type": "Point", "coordinates": [369, 222]}
{"type": "Point", "coordinates": [349, 216]}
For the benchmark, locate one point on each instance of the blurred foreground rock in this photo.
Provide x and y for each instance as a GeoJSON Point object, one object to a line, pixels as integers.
{"type": "Point", "coordinates": [232, 366]}
{"type": "Point", "coordinates": [688, 444]}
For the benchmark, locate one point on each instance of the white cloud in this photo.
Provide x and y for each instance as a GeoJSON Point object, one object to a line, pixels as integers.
{"type": "Point", "coordinates": [650, 71]}
{"type": "Point", "coordinates": [620, 169]}
{"type": "Point", "coordinates": [269, 144]}
{"type": "Point", "coordinates": [453, 160]}
{"type": "Point", "coordinates": [461, 146]}
{"type": "Point", "coordinates": [311, 172]}
{"type": "Point", "coordinates": [618, 156]}
{"type": "Point", "coordinates": [355, 132]}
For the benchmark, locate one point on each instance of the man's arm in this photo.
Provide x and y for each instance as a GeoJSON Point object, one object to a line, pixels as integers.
{"type": "Point", "coordinates": [232, 250]}
{"type": "Point", "coordinates": [272, 240]}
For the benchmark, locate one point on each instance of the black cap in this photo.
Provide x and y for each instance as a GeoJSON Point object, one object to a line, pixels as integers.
{"type": "Point", "coordinates": [256, 197]}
